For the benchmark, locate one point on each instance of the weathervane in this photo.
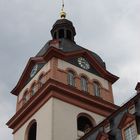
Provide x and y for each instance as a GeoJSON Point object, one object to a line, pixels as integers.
{"type": "Point", "coordinates": [63, 14]}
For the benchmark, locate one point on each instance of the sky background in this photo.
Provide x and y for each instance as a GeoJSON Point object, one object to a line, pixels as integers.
{"type": "Point", "coordinates": [109, 28]}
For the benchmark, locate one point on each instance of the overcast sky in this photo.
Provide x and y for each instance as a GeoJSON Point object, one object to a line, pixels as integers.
{"type": "Point", "coordinates": [109, 28]}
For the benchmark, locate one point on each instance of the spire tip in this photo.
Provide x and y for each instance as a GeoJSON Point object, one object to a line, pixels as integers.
{"type": "Point", "coordinates": [63, 13]}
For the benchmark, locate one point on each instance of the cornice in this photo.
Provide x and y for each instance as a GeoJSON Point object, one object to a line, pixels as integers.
{"type": "Point", "coordinates": [21, 83]}
{"type": "Point", "coordinates": [68, 94]}
{"type": "Point", "coordinates": [55, 52]}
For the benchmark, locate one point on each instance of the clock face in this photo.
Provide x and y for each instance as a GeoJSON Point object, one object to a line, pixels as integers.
{"type": "Point", "coordinates": [83, 63]}
{"type": "Point", "coordinates": [34, 70]}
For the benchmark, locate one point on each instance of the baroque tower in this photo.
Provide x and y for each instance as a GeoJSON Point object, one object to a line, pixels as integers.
{"type": "Point", "coordinates": [63, 92]}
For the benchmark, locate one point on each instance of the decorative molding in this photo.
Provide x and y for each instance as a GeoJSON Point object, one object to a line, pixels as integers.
{"type": "Point", "coordinates": [54, 52]}
{"type": "Point", "coordinates": [55, 89]}
{"type": "Point", "coordinates": [126, 119]}
{"type": "Point", "coordinates": [102, 136]}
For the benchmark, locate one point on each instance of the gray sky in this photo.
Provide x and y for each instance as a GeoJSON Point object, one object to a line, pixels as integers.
{"type": "Point", "coordinates": [109, 28]}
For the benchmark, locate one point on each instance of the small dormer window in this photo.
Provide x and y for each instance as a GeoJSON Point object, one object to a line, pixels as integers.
{"type": "Point", "coordinates": [132, 109]}
{"type": "Point", "coordinates": [61, 33]}
{"type": "Point", "coordinates": [130, 133]}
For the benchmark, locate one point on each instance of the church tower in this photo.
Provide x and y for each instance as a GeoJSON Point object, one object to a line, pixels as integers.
{"type": "Point", "coordinates": [63, 92]}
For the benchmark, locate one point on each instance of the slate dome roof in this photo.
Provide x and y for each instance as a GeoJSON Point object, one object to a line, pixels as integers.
{"type": "Point", "coordinates": [70, 46]}
{"type": "Point", "coordinates": [63, 23]}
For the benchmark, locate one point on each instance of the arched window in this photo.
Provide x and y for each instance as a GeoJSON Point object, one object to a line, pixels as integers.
{"type": "Point", "coordinates": [54, 35]}
{"type": "Point", "coordinates": [96, 87]}
{"type": "Point", "coordinates": [33, 89]}
{"type": "Point", "coordinates": [26, 96]}
{"type": "Point", "coordinates": [71, 78]}
{"type": "Point", "coordinates": [31, 131]}
{"type": "Point", "coordinates": [84, 124]}
{"type": "Point", "coordinates": [41, 80]}
{"type": "Point", "coordinates": [61, 33]}
{"type": "Point", "coordinates": [84, 84]}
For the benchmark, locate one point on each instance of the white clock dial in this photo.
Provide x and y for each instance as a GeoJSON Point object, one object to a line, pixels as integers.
{"type": "Point", "coordinates": [34, 70]}
{"type": "Point", "coordinates": [83, 63]}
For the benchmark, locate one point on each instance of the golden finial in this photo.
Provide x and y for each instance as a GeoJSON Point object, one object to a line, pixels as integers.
{"type": "Point", "coordinates": [62, 13]}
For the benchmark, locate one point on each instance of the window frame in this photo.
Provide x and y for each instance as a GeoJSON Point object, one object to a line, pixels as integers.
{"type": "Point", "coordinates": [97, 89]}
{"type": "Point", "coordinates": [133, 123]}
{"type": "Point", "coordinates": [33, 88]}
{"type": "Point", "coordinates": [25, 95]}
{"type": "Point", "coordinates": [71, 78]}
{"type": "Point", "coordinates": [28, 128]}
{"type": "Point", "coordinates": [89, 118]}
{"type": "Point", "coordinates": [41, 80]}
{"type": "Point", "coordinates": [84, 83]}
